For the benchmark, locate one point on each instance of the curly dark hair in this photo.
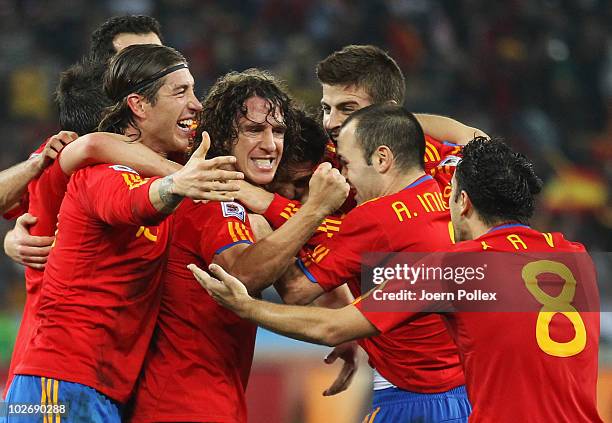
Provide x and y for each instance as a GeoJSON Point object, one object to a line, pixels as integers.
{"type": "Point", "coordinates": [501, 184]}
{"type": "Point", "coordinates": [102, 48]}
{"type": "Point", "coordinates": [224, 105]}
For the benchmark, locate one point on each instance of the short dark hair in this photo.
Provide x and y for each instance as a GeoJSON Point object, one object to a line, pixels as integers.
{"type": "Point", "coordinates": [311, 141]}
{"type": "Point", "coordinates": [365, 66]}
{"type": "Point", "coordinates": [102, 48]}
{"type": "Point", "coordinates": [391, 125]}
{"type": "Point", "coordinates": [501, 184]}
{"type": "Point", "coordinates": [80, 98]}
{"type": "Point", "coordinates": [224, 105]}
{"type": "Point", "coordinates": [125, 75]}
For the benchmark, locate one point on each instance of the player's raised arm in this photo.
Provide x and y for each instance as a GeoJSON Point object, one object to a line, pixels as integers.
{"type": "Point", "coordinates": [328, 190]}
{"type": "Point", "coordinates": [14, 180]}
{"type": "Point", "coordinates": [311, 324]}
{"type": "Point", "coordinates": [447, 129]}
{"type": "Point", "coordinates": [106, 147]}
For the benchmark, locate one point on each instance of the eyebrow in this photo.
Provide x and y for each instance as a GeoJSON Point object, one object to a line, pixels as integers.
{"type": "Point", "coordinates": [180, 87]}
{"type": "Point", "coordinates": [342, 104]}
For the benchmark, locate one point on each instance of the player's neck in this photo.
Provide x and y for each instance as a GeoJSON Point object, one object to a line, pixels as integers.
{"type": "Point", "coordinates": [137, 136]}
{"type": "Point", "coordinates": [399, 181]}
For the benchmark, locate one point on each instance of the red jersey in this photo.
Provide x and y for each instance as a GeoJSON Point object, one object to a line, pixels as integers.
{"type": "Point", "coordinates": [45, 197]}
{"type": "Point", "coordinates": [419, 357]}
{"type": "Point", "coordinates": [509, 377]}
{"type": "Point", "coordinates": [199, 363]}
{"type": "Point", "coordinates": [101, 288]}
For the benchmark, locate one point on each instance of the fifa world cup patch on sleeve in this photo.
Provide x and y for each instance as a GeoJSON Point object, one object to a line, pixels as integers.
{"type": "Point", "coordinates": [450, 161]}
{"type": "Point", "coordinates": [232, 209]}
{"type": "Point", "coordinates": [121, 168]}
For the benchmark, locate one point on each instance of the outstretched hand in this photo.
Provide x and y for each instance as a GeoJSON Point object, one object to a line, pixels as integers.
{"type": "Point", "coordinates": [225, 289]}
{"type": "Point", "coordinates": [206, 179]}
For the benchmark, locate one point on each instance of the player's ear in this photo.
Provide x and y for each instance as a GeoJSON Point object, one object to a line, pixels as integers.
{"type": "Point", "coordinates": [382, 159]}
{"type": "Point", "coordinates": [465, 204]}
{"type": "Point", "coordinates": [136, 103]}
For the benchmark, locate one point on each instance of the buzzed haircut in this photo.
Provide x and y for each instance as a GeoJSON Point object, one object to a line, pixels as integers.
{"type": "Point", "coordinates": [391, 125]}
{"type": "Point", "coordinates": [102, 48]}
{"type": "Point", "coordinates": [367, 67]}
{"type": "Point", "coordinates": [80, 97]}
{"type": "Point", "coordinates": [502, 185]}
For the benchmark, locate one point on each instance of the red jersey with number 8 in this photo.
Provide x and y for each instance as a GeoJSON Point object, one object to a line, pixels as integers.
{"type": "Point", "coordinates": [524, 366]}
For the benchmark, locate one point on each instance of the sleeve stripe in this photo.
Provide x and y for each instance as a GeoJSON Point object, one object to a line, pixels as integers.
{"type": "Point", "coordinates": [225, 247]}
{"type": "Point", "coordinates": [433, 150]}
{"type": "Point", "coordinates": [231, 231]}
{"type": "Point", "coordinates": [238, 229]}
{"type": "Point", "coordinates": [285, 215]}
{"type": "Point", "coordinates": [302, 267]}
{"type": "Point", "coordinates": [248, 234]}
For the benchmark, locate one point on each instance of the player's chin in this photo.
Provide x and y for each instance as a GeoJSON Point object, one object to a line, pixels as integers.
{"type": "Point", "coordinates": [181, 143]}
{"type": "Point", "coordinates": [260, 177]}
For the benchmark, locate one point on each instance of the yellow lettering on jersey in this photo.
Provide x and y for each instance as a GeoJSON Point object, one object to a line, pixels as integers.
{"type": "Point", "coordinates": [485, 246]}
{"type": "Point", "coordinates": [451, 231]}
{"type": "Point", "coordinates": [442, 201]}
{"type": "Point", "coordinates": [427, 209]}
{"type": "Point", "coordinates": [516, 240]}
{"type": "Point", "coordinates": [561, 304]}
{"type": "Point", "coordinates": [447, 192]}
{"type": "Point", "coordinates": [143, 230]}
{"type": "Point", "coordinates": [549, 239]}
{"type": "Point", "coordinates": [431, 202]}
{"type": "Point", "coordinates": [399, 208]}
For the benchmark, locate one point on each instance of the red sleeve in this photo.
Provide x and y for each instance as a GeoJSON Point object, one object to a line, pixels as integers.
{"type": "Point", "coordinates": [383, 321]}
{"type": "Point", "coordinates": [280, 210]}
{"type": "Point", "coordinates": [227, 225]}
{"type": "Point", "coordinates": [339, 258]}
{"type": "Point", "coordinates": [441, 158]}
{"type": "Point", "coordinates": [117, 195]}
{"type": "Point", "coordinates": [19, 209]}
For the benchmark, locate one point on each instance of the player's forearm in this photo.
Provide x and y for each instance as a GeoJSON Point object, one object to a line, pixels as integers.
{"type": "Point", "coordinates": [338, 298]}
{"type": "Point", "coordinates": [162, 195]}
{"type": "Point", "coordinates": [447, 129]}
{"type": "Point", "coordinates": [311, 324]}
{"type": "Point", "coordinates": [111, 148]}
{"type": "Point", "coordinates": [295, 288]}
{"type": "Point", "coordinates": [277, 250]}
{"type": "Point", "coordinates": [14, 182]}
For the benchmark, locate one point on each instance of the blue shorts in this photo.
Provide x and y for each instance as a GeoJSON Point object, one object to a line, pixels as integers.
{"type": "Point", "coordinates": [394, 405]}
{"type": "Point", "coordinates": [44, 400]}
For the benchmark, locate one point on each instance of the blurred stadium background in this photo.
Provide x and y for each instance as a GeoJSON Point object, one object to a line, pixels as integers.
{"type": "Point", "coordinates": [538, 72]}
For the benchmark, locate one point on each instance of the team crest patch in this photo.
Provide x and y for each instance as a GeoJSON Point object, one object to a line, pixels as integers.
{"type": "Point", "coordinates": [231, 209]}
{"type": "Point", "coordinates": [450, 161]}
{"type": "Point", "coordinates": [121, 168]}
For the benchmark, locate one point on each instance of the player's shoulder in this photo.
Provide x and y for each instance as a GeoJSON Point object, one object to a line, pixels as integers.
{"type": "Point", "coordinates": [439, 150]}
{"type": "Point", "coordinates": [220, 210]}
